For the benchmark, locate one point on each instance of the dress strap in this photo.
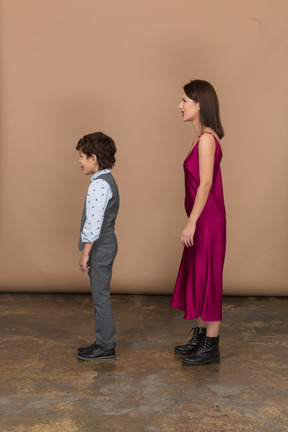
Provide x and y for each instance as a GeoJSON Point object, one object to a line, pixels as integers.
{"type": "Point", "coordinates": [205, 133]}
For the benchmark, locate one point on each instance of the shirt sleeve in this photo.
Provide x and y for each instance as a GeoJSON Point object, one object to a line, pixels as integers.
{"type": "Point", "coordinates": [99, 193]}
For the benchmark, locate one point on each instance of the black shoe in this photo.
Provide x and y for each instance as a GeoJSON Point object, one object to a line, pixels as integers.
{"type": "Point", "coordinates": [193, 344]}
{"type": "Point", "coordinates": [208, 352]}
{"type": "Point", "coordinates": [97, 352]}
{"type": "Point", "coordinates": [83, 349]}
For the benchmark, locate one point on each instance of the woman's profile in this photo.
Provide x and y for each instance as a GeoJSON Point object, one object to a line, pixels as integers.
{"type": "Point", "coordinates": [199, 285]}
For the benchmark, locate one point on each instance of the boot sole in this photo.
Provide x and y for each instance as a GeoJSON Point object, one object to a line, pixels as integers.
{"type": "Point", "coordinates": [200, 363]}
{"type": "Point", "coordinates": [183, 353]}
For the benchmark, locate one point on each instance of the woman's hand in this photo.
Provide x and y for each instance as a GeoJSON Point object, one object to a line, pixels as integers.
{"type": "Point", "coordinates": [188, 234]}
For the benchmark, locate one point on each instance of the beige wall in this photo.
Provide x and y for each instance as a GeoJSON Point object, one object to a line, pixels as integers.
{"type": "Point", "coordinates": [69, 67]}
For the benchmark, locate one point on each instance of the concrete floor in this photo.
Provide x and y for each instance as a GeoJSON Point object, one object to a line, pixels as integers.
{"type": "Point", "coordinates": [43, 387]}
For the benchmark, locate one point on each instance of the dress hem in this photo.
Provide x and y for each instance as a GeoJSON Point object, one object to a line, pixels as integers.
{"type": "Point", "coordinates": [203, 318]}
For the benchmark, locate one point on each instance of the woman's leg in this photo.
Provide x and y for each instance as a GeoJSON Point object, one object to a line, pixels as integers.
{"type": "Point", "coordinates": [212, 328]}
{"type": "Point", "coordinates": [200, 323]}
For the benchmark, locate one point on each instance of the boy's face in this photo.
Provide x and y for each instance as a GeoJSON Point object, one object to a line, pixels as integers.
{"type": "Point", "coordinates": [89, 165]}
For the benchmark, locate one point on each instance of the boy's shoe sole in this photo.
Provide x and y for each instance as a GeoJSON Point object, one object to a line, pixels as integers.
{"type": "Point", "coordinates": [80, 357]}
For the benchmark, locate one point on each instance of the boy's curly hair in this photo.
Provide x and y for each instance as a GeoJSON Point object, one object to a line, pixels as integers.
{"type": "Point", "coordinates": [101, 145]}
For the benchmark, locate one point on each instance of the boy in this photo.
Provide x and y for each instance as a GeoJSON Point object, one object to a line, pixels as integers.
{"type": "Point", "coordinates": [97, 241]}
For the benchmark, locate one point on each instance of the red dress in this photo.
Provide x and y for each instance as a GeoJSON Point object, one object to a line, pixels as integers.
{"type": "Point", "coordinates": [199, 284]}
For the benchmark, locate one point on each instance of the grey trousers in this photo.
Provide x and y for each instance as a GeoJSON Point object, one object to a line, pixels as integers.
{"type": "Point", "coordinates": [101, 262]}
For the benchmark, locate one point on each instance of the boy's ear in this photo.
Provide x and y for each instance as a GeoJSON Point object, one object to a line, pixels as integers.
{"type": "Point", "coordinates": [94, 159]}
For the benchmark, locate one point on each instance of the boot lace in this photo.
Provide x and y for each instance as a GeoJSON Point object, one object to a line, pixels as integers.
{"type": "Point", "coordinates": [195, 335]}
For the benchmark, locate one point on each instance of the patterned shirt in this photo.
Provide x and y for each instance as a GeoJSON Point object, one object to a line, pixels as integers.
{"type": "Point", "coordinates": [98, 195]}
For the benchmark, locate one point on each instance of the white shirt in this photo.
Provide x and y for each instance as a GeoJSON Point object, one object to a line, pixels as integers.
{"type": "Point", "coordinates": [98, 195]}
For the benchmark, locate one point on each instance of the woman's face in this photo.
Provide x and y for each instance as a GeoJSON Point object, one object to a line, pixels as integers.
{"type": "Point", "coordinates": [189, 108]}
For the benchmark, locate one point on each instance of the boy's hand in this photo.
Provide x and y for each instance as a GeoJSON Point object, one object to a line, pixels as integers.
{"type": "Point", "coordinates": [83, 263]}
{"type": "Point", "coordinates": [85, 257]}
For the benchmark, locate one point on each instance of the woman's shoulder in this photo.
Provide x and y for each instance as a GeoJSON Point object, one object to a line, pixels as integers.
{"type": "Point", "coordinates": [210, 139]}
{"type": "Point", "coordinates": [206, 140]}
{"type": "Point", "coordinates": [209, 135]}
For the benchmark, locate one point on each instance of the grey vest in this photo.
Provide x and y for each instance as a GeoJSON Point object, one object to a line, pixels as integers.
{"type": "Point", "coordinates": [107, 234]}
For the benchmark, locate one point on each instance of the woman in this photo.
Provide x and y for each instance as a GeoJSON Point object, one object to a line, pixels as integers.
{"type": "Point", "coordinates": [198, 289]}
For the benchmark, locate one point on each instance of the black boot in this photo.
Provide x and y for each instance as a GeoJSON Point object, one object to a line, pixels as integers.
{"type": "Point", "coordinates": [208, 352]}
{"type": "Point", "coordinates": [193, 344]}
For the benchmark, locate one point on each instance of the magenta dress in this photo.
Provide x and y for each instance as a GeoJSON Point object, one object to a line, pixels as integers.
{"type": "Point", "coordinates": [199, 284]}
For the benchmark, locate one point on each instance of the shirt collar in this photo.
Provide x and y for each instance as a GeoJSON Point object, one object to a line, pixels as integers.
{"type": "Point", "coordinates": [104, 171]}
